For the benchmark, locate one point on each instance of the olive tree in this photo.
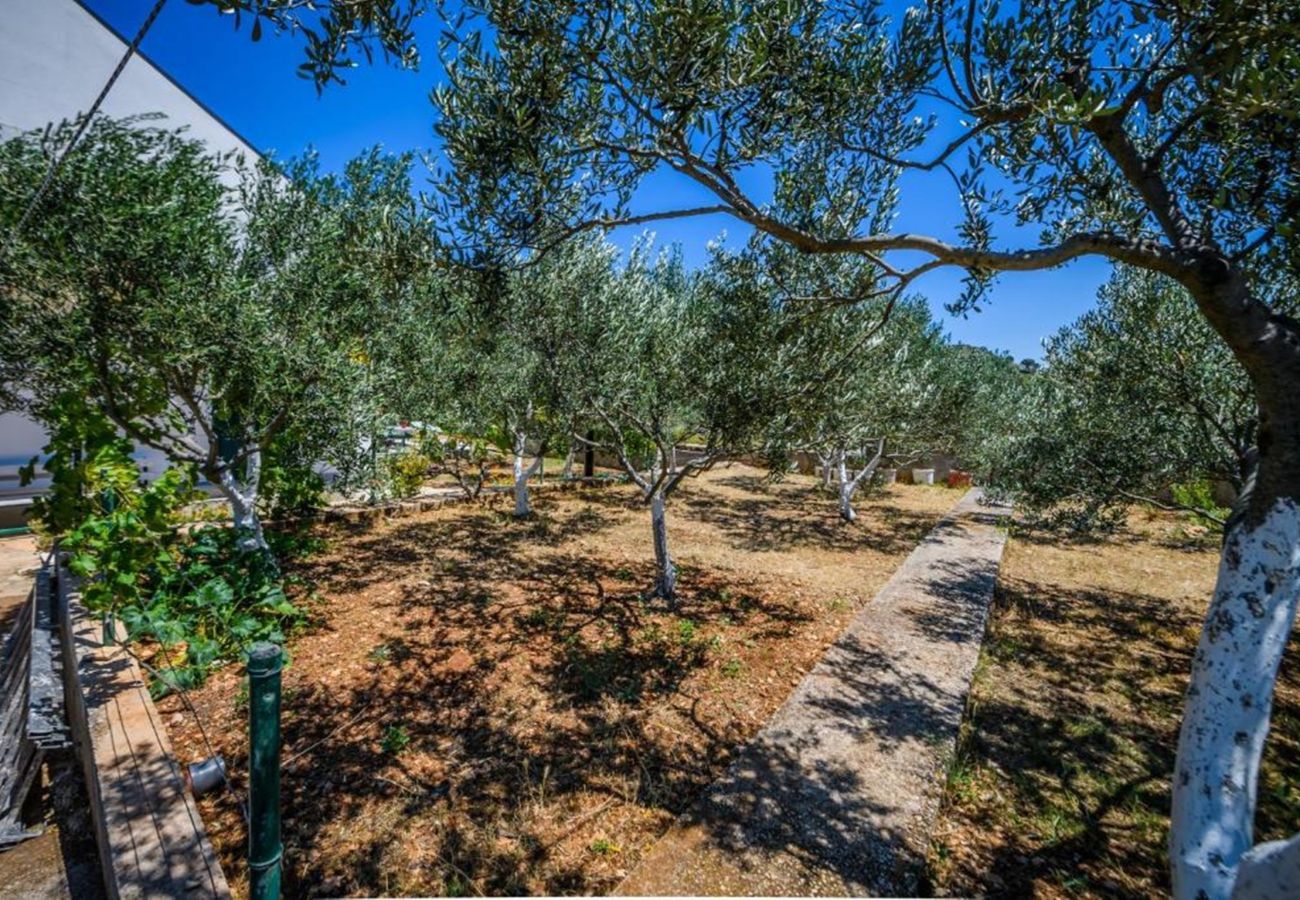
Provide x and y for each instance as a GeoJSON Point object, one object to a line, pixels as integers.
{"type": "Point", "coordinates": [1136, 396]}
{"type": "Point", "coordinates": [886, 405]}
{"type": "Point", "coordinates": [673, 377]}
{"type": "Point", "coordinates": [538, 353]}
{"type": "Point", "coordinates": [207, 307]}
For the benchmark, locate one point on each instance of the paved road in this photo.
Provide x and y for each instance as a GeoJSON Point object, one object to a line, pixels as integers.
{"type": "Point", "coordinates": [837, 794]}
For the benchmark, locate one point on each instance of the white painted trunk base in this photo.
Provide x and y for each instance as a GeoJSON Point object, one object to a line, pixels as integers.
{"type": "Point", "coordinates": [1226, 716]}
{"type": "Point", "coordinates": [847, 512]}
{"type": "Point", "coordinates": [665, 571]}
{"type": "Point", "coordinates": [524, 471]}
{"type": "Point", "coordinates": [522, 507]}
{"type": "Point", "coordinates": [243, 507]}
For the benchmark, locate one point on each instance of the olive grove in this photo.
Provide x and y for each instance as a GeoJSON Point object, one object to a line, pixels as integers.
{"type": "Point", "coordinates": [1160, 136]}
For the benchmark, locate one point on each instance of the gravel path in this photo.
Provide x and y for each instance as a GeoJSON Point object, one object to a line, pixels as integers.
{"type": "Point", "coordinates": [836, 795]}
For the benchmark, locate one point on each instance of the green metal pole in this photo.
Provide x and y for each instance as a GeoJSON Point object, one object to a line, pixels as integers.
{"type": "Point", "coordinates": [264, 664]}
{"type": "Point", "coordinates": [108, 499]}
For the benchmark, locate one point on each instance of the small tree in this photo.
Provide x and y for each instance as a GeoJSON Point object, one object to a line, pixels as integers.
{"type": "Point", "coordinates": [204, 320]}
{"type": "Point", "coordinates": [672, 376]}
{"type": "Point", "coordinates": [886, 404]}
{"type": "Point", "coordinates": [537, 350]}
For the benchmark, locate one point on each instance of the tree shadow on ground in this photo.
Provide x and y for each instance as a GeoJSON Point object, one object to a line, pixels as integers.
{"type": "Point", "coordinates": [1124, 534]}
{"type": "Point", "coordinates": [482, 631]}
{"type": "Point", "coordinates": [513, 690]}
{"type": "Point", "coordinates": [1074, 730]}
{"type": "Point", "coordinates": [795, 792]}
{"type": "Point", "coordinates": [791, 517]}
{"type": "Point", "coordinates": [791, 792]}
{"type": "Point", "coordinates": [813, 812]}
{"type": "Point", "coordinates": [959, 589]}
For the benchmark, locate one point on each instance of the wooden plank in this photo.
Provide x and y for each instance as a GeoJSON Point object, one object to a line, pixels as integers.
{"type": "Point", "coordinates": [152, 841]}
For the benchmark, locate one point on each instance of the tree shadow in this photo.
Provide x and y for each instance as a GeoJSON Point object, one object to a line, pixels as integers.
{"type": "Point", "coordinates": [515, 687]}
{"type": "Point", "coordinates": [478, 630]}
{"type": "Point", "coordinates": [779, 797]}
{"type": "Point", "coordinates": [792, 517]}
{"type": "Point", "coordinates": [1075, 731]}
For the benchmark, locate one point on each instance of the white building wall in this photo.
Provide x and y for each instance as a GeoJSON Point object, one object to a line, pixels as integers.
{"type": "Point", "coordinates": [55, 56]}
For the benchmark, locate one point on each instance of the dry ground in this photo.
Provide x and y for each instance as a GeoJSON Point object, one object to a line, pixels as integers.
{"type": "Point", "coordinates": [487, 706]}
{"type": "Point", "coordinates": [1061, 784]}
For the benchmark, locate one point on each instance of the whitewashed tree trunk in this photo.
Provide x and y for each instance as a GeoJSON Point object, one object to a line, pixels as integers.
{"type": "Point", "coordinates": [243, 503]}
{"type": "Point", "coordinates": [665, 571]}
{"type": "Point", "coordinates": [1269, 871]}
{"type": "Point", "coordinates": [567, 472]}
{"type": "Point", "coordinates": [828, 470]}
{"type": "Point", "coordinates": [1226, 718]}
{"type": "Point", "coordinates": [846, 488]}
{"type": "Point", "coordinates": [849, 483]}
{"type": "Point", "coordinates": [523, 471]}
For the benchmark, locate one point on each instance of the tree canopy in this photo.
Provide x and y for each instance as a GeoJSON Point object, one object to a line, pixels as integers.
{"type": "Point", "coordinates": [210, 308]}
{"type": "Point", "coordinates": [1137, 397]}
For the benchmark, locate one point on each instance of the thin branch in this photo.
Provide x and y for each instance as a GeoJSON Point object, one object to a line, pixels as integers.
{"type": "Point", "coordinates": [1174, 507]}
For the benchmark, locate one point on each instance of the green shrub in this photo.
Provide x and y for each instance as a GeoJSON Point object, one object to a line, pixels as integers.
{"type": "Point", "coordinates": [195, 594]}
{"type": "Point", "coordinates": [291, 490]}
{"type": "Point", "coordinates": [1199, 494]}
{"type": "Point", "coordinates": [407, 472]}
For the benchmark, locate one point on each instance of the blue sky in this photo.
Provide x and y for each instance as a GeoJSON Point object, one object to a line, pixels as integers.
{"type": "Point", "coordinates": [255, 88]}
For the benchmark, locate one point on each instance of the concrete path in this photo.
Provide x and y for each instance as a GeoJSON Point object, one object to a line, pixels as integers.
{"type": "Point", "coordinates": [836, 795]}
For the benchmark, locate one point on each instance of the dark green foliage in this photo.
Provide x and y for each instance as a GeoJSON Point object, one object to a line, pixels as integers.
{"type": "Point", "coordinates": [224, 313]}
{"type": "Point", "coordinates": [291, 486]}
{"type": "Point", "coordinates": [1139, 401]}
{"type": "Point", "coordinates": [194, 593]}
{"type": "Point", "coordinates": [77, 432]}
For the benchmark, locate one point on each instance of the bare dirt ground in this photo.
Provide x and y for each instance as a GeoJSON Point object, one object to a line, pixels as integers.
{"type": "Point", "coordinates": [1061, 784]}
{"type": "Point", "coordinates": [488, 706]}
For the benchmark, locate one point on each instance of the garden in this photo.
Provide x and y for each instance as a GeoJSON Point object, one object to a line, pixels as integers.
{"type": "Point", "coordinates": [551, 524]}
{"type": "Point", "coordinates": [483, 705]}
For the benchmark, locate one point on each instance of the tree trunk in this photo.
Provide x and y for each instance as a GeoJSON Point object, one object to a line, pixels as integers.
{"type": "Point", "coordinates": [1269, 871]}
{"type": "Point", "coordinates": [849, 482]}
{"type": "Point", "coordinates": [589, 458]}
{"type": "Point", "coordinates": [1250, 617]}
{"type": "Point", "coordinates": [1226, 716]}
{"type": "Point", "coordinates": [522, 509]}
{"type": "Point", "coordinates": [567, 472]}
{"type": "Point", "coordinates": [523, 472]}
{"type": "Point", "coordinates": [847, 487]}
{"type": "Point", "coordinates": [828, 470]}
{"type": "Point", "coordinates": [243, 504]}
{"type": "Point", "coordinates": [665, 571]}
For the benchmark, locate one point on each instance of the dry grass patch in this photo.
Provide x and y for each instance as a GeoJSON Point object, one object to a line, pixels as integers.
{"type": "Point", "coordinates": [1061, 784]}
{"type": "Point", "coordinates": [489, 706]}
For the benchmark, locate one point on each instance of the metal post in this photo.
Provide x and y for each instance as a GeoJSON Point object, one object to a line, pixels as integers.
{"type": "Point", "coordinates": [108, 499]}
{"type": "Point", "coordinates": [264, 849]}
